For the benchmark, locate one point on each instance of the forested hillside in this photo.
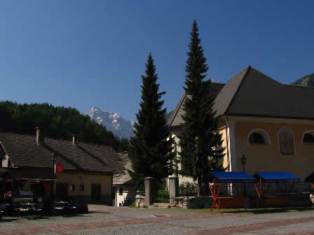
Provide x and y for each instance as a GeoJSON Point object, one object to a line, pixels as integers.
{"type": "Point", "coordinates": [55, 122]}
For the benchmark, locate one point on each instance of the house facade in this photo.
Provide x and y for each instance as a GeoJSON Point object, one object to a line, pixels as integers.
{"type": "Point", "coordinates": [30, 160]}
{"type": "Point", "coordinates": [123, 185]}
{"type": "Point", "coordinates": [269, 124]}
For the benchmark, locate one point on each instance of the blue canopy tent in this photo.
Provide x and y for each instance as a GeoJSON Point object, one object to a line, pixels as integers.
{"type": "Point", "coordinates": [276, 176]}
{"type": "Point", "coordinates": [230, 177]}
{"type": "Point", "coordinates": [275, 188]}
{"type": "Point", "coordinates": [228, 189]}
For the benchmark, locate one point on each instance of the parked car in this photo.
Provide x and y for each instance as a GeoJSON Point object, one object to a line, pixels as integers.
{"type": "Point", "coordinates": [70, 205]}
{"type": "Point", "coordinates": [61, 207]}
{"type": "Point", "coordinates": [2, 212]}
{"type": "Point", "coordinates": [23, 202]}
{"type": "Point", "coordinates": [4, 208]}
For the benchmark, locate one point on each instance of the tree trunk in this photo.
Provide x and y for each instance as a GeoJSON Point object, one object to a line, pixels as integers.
{"type": "Point", "coordinates": [199, 186]}
{"type": "Point", "coordinates": [202, 189]}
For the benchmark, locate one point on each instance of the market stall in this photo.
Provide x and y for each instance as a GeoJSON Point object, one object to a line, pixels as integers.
{"type": "Point", "coordinates": [230, 189]}
{"type": "Point", "coordinates": [275, 188]}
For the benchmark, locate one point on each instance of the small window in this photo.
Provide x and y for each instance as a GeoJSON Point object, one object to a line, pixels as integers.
{"type": "Point", "coordinates": [308, 138]}
{"type": "Point", "coordinates": [258, 137]}
{"type": "Point", "coordinates": [286, 141]}
{"type": "Point", "coordinates": [82, 188]}
{"type": "Point", "coordinates": [72, 188]}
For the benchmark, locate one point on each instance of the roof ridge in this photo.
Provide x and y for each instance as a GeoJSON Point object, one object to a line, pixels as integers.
{"type": "Point", "coordinates": [55, 139]}
{"type": "Point", "coordinates": [178, 106]}
{"type": "Point", "coordinates": [246, 71]}
{"type": "Point", "coordinates": [266, 76]}
{"type": "Point", "coordinates": [173, 116]}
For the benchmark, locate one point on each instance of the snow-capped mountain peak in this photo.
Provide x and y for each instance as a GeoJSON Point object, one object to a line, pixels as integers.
{"type": "Point", "coordinates": [119, 126]}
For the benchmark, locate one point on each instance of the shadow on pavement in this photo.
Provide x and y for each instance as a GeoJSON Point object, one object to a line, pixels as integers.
{"type": "Point", "coordinates": [268, 210]}
{"type": "Point", "coordinates": [3, 220]}
{"type": "Point", "coordinates": [37, 217]}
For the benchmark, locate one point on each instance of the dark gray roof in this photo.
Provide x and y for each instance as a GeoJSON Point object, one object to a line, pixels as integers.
{"type": "Point", "coordinates": [252, 93]}
{"type": "Point", "coordinates": [226, 94]}
{"type": "Point", "coordinates": [259, 95]}
{"type": "Point", "coordinates": [176, 116]}
{"type": "Point", "coordinates": [123, 176]}
{"type": "Point", "coordinates": [29, 173]}
{"type": "Point", "coordinates": [24, 152]}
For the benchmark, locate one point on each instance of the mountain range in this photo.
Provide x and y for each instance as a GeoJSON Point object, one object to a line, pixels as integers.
{"type": "Point", "coordinates": [307, 81]}
{"type": "Point", "coordinates": [113, 122]}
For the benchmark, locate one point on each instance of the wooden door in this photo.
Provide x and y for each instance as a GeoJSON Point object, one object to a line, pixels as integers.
{"type": "Point", "coordinates": [96, 192]}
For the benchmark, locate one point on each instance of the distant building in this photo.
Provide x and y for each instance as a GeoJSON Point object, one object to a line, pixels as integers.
{"type": "Point", "coordinates": [270, 123]}
{"type": "Point", "coordinates": [88, 168]}
{"type": "Point", "coordinates": [124, 186]}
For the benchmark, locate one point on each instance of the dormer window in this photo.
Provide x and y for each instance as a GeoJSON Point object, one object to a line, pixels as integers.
{"type": "Point", "coordinates": [259, 137]}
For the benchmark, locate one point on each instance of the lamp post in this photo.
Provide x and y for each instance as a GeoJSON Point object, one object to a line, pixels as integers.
{"type": "Point", "coordinates": [243, 161]}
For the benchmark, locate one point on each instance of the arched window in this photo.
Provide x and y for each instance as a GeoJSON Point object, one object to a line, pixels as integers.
{"type": "Point", "coordinates": [308, 137]}
{"type": "Point", "coordinates": [258, 137]}
{"type": "Point", "coordinates": [286, 141]}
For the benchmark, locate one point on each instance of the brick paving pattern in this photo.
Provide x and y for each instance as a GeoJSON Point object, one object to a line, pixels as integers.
{"type": "Point", "coordinates": [109, 220]}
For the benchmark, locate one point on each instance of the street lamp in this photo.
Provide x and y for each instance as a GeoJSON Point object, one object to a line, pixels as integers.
{"type": "Point", "coordinates": [243, 161]}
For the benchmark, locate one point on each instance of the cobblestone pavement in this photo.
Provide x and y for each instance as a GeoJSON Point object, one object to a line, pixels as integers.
{"type": "Point", "coordinates": [110, 220]}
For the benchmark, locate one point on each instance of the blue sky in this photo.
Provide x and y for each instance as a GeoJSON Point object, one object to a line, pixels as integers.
{"type": "Point", "coordinates": [92, 53]}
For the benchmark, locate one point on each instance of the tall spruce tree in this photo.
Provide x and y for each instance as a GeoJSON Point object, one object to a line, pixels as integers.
{"type": "Point", "coordinates": [217, 152]}
{"type": "Point", "coordinates": [197, 136]}
{"type": "Point", "coordinates": [150, 149]}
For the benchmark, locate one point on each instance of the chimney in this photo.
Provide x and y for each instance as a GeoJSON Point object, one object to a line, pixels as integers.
{"type": "Point", "coordinates": [73, 140]}
{"type": "Point", "coordinates": [39, 136]}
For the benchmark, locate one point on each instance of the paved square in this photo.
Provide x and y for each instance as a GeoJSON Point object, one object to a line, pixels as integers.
{"type": "Point", "coordinates": [110, 220]}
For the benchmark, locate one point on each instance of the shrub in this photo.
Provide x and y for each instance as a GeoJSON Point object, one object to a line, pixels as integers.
{"type": "Point", "coordinates": [188, 189]}
{"type": "Point", "coordinates": [162, 195]}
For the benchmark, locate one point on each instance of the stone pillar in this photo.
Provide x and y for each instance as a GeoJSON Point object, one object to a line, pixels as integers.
{"type": "Point", "coordinates": [173, 189]}
{"type": "Point", "coordinates": [148, 183]}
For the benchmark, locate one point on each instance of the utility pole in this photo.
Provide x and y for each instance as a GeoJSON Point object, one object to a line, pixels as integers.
{"type": "Point", "coordinates": [54, 175]}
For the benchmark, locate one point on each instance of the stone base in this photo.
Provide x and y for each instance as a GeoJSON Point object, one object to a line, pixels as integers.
{"type": "Point", "coordinates": [194, 202]}
{"type": "Point", "coordinates": [139, 201]}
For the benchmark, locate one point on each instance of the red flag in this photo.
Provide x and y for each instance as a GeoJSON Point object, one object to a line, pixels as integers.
{"type": "Point", "coordinates": [59, 168]}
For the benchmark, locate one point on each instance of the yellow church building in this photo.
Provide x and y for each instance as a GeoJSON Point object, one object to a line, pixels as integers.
{"type": "Point", "coordinates": [270, 123]}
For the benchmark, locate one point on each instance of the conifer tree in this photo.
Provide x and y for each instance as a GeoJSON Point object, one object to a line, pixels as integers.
{"type": "Point", "coordinates": [197, 135]}
{"type": "Point", "coordinates": [217, 153]}
{"type": "Point", "coordinates": [150, 150]}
